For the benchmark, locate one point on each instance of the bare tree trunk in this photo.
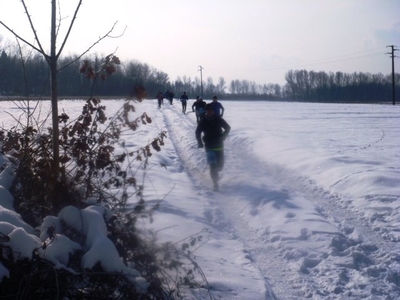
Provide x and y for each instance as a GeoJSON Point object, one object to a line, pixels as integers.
{"type": "Point", "coordinates": [54, 88]}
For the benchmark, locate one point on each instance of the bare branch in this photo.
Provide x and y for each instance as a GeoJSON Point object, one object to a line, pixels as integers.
{"type": "Point", "coordinates": [22, 39]}
{"type": "Point", "coordinates": [70, 28]}
{"type": "Point", "coordinates": [59, 23]}
{"type": "Point", "coordinates": [107, 35]}
{"type": "Point", "coordinates": [23, 68]}
{"type": "Point", "coordinates": [117, 36]}
{"type": "Point", "coordinates": [17, 121]}
{"type": "Point", "coordinates": [34, 30]}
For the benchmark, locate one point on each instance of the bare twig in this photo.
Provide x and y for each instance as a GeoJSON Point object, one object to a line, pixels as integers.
{"type": "Point", "coordinates": [69, 29]}
{"type": "Point", "coordinates": [34, 32]}
{"type": "Point", "coordinates": [107, 35]}
{"type": "Point", "coordinates": [21, 38]}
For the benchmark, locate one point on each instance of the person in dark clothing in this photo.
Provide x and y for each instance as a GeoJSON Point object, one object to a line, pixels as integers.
{"type": "Point", "coordinates": [160, 99]}
{"type": "Point", "coordinates": [218, 108]}
{"type": "Point", "coordinates": [199, 107]}
{"type": "Point", "coordinates": [215, 130]}
{"type": "Point", "coordinates": [170, 96]}
{"type": "Point", "coordinates": [184, 99]}
{"type": "Point", "coordinates": [166, 95]}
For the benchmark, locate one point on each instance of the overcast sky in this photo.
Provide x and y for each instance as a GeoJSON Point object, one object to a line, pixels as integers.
{"type": "Point", "coordinates": [256, 40]}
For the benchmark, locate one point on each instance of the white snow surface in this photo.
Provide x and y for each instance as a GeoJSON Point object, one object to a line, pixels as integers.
{"type": "Point", "coordinates": [309, 206]}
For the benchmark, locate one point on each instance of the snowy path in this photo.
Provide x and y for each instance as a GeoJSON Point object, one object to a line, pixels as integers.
{"type": "Point", "coordinates": [309, 206]}
{"type": "Point", "coordinates": [258, 206]}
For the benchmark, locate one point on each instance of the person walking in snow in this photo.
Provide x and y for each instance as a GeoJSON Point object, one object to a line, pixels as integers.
{"type": "Point", "coordinates": [184, 99]}
{"type": "Point", "coordinates": [160, 99]}
{"type": "Point", "coordinates": [218, 108]}
{"type": "Point", "coordinates": [170, 96]}
{"type": "Point", "coordinates": [199, 107]}
{"type": "Point", "coordinates": [215, 130]}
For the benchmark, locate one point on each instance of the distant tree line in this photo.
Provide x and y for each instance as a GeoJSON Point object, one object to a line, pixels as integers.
{"type": "Point", "coordinates": [30, 76]}
{"type": "Point", "coordinates": [305, 85]}
{"type": "Point", "coordinates": [22, 75]}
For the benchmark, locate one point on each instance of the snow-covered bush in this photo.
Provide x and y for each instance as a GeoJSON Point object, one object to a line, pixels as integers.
{"type": "Point", "coordinates": [60, 224]}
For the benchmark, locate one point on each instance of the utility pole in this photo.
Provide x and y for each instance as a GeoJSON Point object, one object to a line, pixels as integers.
{"type": "Point", "coordinates": [201, 79]}
{"type": "Point", "coordinates": [393, 85]}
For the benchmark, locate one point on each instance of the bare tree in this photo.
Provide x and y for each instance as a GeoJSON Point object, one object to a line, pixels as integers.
{"type": "Point", "coordinates": [221, 85]}
{"type": "Point", "coordinates": [52, 60]}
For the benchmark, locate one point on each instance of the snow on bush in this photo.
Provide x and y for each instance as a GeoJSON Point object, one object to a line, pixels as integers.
{"type": "Point", "coordinates": [50, 244]}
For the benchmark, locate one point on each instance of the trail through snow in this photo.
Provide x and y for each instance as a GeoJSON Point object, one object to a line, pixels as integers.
{"type": "Point", "coordinates": [309, 206]}
{"type": "Point", "coordinates": [295, 238]}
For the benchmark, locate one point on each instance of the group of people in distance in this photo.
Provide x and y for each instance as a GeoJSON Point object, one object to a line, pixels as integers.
{"type": "Point", "coordinates": [167, 95]}
{"type": "Point", "coordinates": [211, 130]}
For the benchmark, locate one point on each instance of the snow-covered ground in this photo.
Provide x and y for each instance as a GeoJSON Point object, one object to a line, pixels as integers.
{"type": "Point", "coordinates": [309, 205]}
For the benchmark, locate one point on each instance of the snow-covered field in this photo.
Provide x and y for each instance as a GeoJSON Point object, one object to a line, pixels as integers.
{"type": "Point", "coordinates": [309, 205]}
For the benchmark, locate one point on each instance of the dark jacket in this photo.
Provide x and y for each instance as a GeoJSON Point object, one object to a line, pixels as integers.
{"type": "Point", "coordinates": [199, 105]}
{"type": "Point", "coordinates": [215, 130]}
{"type": "Point", "coordinates": [184, 98]}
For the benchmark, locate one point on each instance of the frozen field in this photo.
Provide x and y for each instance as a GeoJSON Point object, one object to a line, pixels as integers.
{"type": "Point", "coordinates": [309, 205]}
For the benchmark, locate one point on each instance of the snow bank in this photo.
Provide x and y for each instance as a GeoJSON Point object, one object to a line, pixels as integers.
{"type": "Point", "coordinates": [52, 245]}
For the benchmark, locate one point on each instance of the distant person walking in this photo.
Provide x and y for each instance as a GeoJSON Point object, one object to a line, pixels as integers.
{"type": "Point", "coordinates": [215, 130]}
{"type": "Point", "coordinates": [170, 96]}
{"type": "Point", "coordinates": [184, 99]}
{"type": "Point", "coordinates": [218, 108]}
{"type": "Point", "coordinates": [160, 99]}
{"type": "Point", "coordinates": [199, 107]}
